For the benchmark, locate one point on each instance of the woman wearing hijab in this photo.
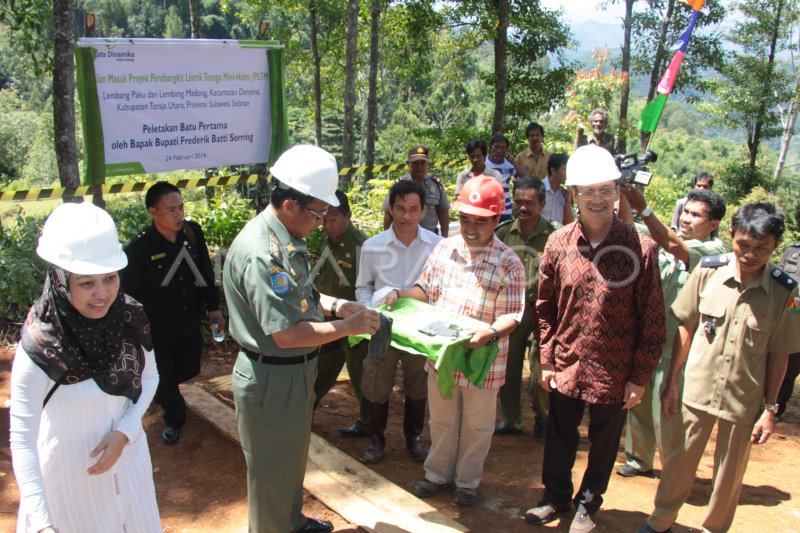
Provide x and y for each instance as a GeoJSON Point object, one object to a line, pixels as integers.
{"type": "Point", "coordinates": [83, 377]}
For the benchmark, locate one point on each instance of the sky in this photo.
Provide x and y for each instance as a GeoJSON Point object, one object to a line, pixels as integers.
{"type": "Point", "coordinates": [585, 10]}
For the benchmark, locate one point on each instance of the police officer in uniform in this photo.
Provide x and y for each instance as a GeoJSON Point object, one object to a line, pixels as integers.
{"type": "Point", "coordinates": [437, 206]}
{"type": "Point", "coordinates": [276, 316]}
{"type": "Point", "coordinates": [169, 271]}
{"type": "Point", "coordinates": [526, 234]}
{"type": "Point", "coordinates": [739, 319]}
{"type": "Point", "coordinates": [336, 276]}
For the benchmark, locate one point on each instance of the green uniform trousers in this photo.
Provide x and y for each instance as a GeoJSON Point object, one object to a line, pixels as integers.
{"type": "Point", "coordinates": [332, 357]}
{"type": "Point", "coordinates": [688, 440]}
{"type": "Point", "coordinates": [274, 404]}
{"type": "Point", "coordinates": [648, 429]}
{"type": "Point", "coordinates": [511, 391]}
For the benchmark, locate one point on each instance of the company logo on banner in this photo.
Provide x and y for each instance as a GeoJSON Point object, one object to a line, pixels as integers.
{"type": "Point", "coordinates": [170, 104]}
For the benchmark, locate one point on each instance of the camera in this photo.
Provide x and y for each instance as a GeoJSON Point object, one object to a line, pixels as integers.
{"type": "Point", "coordinates": [634, 168]}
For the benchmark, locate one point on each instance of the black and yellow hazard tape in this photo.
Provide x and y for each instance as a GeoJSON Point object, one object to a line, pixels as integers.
{"type": "Point", "coordinates": [86, 190]}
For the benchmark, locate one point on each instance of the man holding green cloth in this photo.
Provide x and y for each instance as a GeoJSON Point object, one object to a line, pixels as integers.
{"type": "Point", "coordinates": [473, 274]}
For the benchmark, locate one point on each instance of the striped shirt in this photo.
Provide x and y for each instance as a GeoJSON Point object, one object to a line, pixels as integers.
{"type": "Point", "coordinates": [485, 287]}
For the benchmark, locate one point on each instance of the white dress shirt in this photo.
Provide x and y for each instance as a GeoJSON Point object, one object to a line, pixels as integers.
{"type": "Point", "coordinates": [554, 208]}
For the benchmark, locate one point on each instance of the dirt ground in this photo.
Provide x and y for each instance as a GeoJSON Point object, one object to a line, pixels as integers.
{"type": "Point", "coordinates": [200, 482]}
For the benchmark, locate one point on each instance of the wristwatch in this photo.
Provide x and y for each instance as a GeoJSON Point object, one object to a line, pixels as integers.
{"type": "Point", "coordinates": [646, 212]}
{"type": "Point", "coordinates": [772, 407]}
{"type": "Point", "coordinates": [334, 306]}
{"type": "Point", "coordinates": [495, 336]}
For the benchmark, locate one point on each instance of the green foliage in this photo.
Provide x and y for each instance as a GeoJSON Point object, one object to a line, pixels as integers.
{"type": "Point", "coordinates": [23, 271]}
{"type": "Point", "coordinates": [129, 214]}
{"type": "Point", "coordinates": [222, 220]}
{"type": "Point", "coordinates": [662, 193]}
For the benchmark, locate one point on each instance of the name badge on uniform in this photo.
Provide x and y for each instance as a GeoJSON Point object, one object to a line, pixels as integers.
{"type": "Point", "coordinates": [280, 283]}
{"type": "Point", "coordinates": [156, 257]}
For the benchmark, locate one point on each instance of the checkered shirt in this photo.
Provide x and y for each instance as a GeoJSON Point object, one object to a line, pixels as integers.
{"type": "Point", "coordinates": [490, 286]}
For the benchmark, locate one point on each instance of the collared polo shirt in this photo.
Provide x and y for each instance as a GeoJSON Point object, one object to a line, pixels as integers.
{"type": "Point", "coordinates": [535, 165]}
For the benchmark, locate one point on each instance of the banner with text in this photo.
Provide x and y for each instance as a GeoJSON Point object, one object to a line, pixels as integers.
{"type": "Point", "coordinates": [172, 104]}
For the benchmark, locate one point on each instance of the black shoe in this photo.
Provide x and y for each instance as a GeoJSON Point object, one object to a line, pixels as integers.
{"type": "Point", "coordinates": [627, 470]}
{"type": "Point", "coordinates": [539, 430]}
{"type": "Point", "coordinates": [315, 525]}
{"type": "Point", "coordinates": [353, 430]}
{"type": "Point", "coordinates": [170, 435]}
{"type": "Point", "coordinates": [415, 449]}
{"type": "Point", "coordinates": [374, 452]}
{"type": "Point", "coordinates": [503, 429]}
{"type": "Point", "coordinates": [647, 529]}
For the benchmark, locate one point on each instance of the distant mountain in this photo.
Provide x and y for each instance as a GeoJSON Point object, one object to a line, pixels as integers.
{"type": "Point", "coordinates": [590, 35]}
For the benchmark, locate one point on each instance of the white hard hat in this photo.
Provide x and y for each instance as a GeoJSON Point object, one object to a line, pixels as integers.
{"type": "Point", "coordinates": [81, 239]}
{"type": "Point", "coordinates": [591, 164]}
{"type": "Point", "coordinates": [309, 170]}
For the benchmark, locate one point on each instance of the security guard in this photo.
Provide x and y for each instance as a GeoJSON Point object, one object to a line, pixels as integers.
{"type": "Point", "coordinates": [276, 316]}
{"type": "Point", "coordinates": [336, 276]}
{"type": "Point", "coordinates": [739, 319]}
{"type": "Point", "coordinates": [437, 206]}
{"type": "Point", "coordinates": [169, 271]}
{"type": "Point", "coordinates": [526, 234]}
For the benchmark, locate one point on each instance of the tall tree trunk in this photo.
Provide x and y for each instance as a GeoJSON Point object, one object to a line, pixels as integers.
{"type": "Point", "coordinates": [64, 93]}
{"type": "Point", "coordinates": [350, 66]}
{"type": "Point", "coordinates": [655, 72]}
{"type": "Point", "coordinates": [500, 66]}
{"type": "Point", "coordinates": [789, 119]}
{"type": "Point", "coordinates": [372, 96]}
{"type": "Point", "coordinates": [317, 61]}
{"type": "Point", "coordinates": [762, 107]}
{"type": "Point", "coordinates": [626, 86]}
{"type": "Point", "coordinates": [194, 18]}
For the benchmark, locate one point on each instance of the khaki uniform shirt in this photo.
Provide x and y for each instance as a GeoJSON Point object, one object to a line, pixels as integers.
{"type": "Point", "coordinates": [736, 328]}
{"type": "Point", "coordinates": [535, 166]}
{"type": "Point", "coordinates": [674, 274]}
{"type": "Point", "coordinates": [267, 286]}
{"type": "Point", "coordinates": [528, 250]}
{"type": "Point", "coordinates": [335, 270]}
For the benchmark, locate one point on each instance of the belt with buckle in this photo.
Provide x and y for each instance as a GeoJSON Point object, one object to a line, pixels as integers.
{"type": "Point", "coordinates": [274, 360]}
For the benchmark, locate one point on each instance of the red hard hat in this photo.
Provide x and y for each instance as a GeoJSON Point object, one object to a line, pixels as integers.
{"type": "Point", "coordinates": [482, 196]}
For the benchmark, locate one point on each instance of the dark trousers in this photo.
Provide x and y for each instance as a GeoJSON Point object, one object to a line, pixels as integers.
{"type": "Point", "coordinates": [561, 446]}
{"type": "Point", "coordinates": [177, 361]}
{"type": "Point", "coordinates": [787, 387]}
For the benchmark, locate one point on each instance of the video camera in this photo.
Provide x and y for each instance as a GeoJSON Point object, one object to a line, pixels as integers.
{"type": "Point", "coordinates": [634, 168]}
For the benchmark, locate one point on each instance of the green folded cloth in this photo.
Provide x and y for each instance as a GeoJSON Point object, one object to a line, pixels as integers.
{"type": "Point", "coordinates": [445, 349]}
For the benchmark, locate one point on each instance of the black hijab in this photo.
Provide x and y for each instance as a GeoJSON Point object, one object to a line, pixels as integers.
{"type": "Point", "coordinates": [71, 348]}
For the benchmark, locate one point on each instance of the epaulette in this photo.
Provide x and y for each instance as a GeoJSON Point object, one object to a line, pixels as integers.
{"type": "Point", "coordinates": [504, 224]}
{"type": "Point", "coordinates": [274, 247]}
{"type": "Point", "coordinates": [788, 282]}
{"type": "Point", "coordinates": [435, 179]}
{"type": "Point", "coordinates": [714, 261]}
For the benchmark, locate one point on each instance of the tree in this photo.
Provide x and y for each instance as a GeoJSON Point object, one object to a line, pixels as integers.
{"type": "Point", "coordinates": [64, 93]}
{"type": "Point", "coordinates": [626, 84]}
{"type": "Point", "coordinates": [788, 116]}
{"type": "Point", "coordinates": [752, 83]}
{"type": "Point", "coordinates": [350, 73]}
{"type": "Point", "coordinates": [372, 91]}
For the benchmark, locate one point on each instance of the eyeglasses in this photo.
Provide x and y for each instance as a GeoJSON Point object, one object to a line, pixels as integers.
{"type": "Point", "coordinates": [321, 215]}
{"type": "Point", "coordinates": [591, 194]}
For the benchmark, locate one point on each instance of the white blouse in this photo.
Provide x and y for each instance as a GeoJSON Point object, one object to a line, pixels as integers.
{"type": "Point", "coordinates": [50, 449]}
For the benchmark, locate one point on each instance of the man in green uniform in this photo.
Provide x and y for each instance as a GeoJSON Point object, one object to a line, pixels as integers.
{"type": "Point", "coordinates": [336, 276]}
{"type": "Point", "coordinates": [276, 316]}
{"type": "Point", "coordinates": [680, 251]}
{"type": "Point", "coordinates": [739, 318]}
{"type": "Point", "coordinates": [526, 234]}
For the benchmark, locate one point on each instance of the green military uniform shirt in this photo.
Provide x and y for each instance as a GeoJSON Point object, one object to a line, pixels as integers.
{"type": "Point", "coordinates": [336, 268]}
{"type": "Point", "coordinates": [529, 250]}
{"type": "Point", "coordinates": [736, 327]}
{"type": "Point", "coordinates": [267, 285]}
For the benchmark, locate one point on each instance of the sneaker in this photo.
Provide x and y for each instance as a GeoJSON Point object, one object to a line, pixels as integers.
{"type": "Point", "coordinates": [425, 489]}
{"type": "Point", "coordinates": [627, 470]}
{"type": "Point", "coordinates": [545, 513]}
{"type": "Point", "coordinates": [170, 435]}
{"type": "Point", "coordinates": [582, 523]}
{"type": "Point", "coordinates": [647, 529]}
{"type": "Point", "coordinates": [466, 497]}
{"type": "Point", "coordinates": [539, 430]}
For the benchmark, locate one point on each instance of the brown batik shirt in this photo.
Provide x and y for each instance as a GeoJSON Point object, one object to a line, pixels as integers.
{"type": "Point", "coordinates": [601, 311]}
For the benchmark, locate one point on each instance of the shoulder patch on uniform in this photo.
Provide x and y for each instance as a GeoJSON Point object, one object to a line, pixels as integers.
{"type": "Point", "coordinates": [794, 305]}
{"type": "Point", "coordinates": [280, 283]}
{"type": "Point", "coordinates": [714, 261]}
{"type": "Point", "coordinates": [784, 279]}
